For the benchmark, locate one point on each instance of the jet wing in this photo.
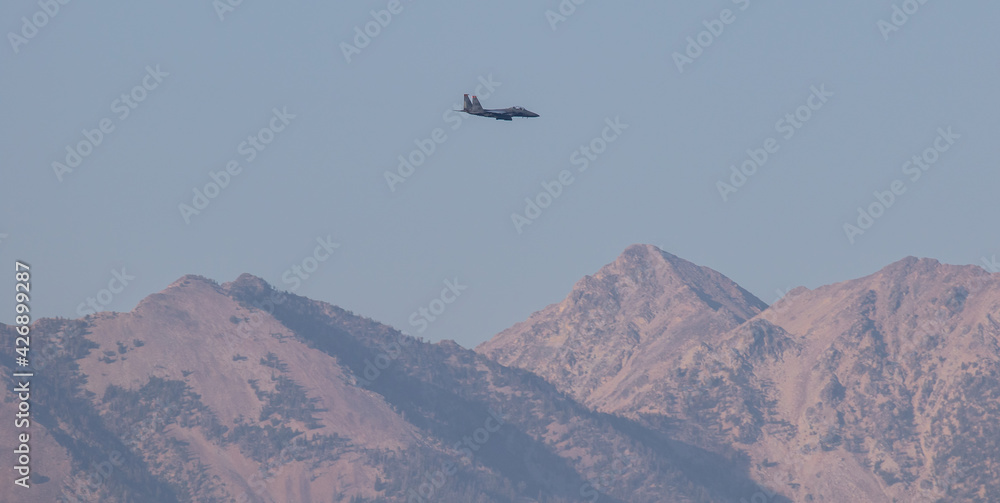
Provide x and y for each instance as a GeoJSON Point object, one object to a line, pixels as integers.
{"type": "Point", "coordinates": [503, 115]}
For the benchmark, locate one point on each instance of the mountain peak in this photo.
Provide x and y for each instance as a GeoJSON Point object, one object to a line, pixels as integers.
{"type": "Point", "coordinates": [646, 254]}
{"type": "Point", "coordinates": [187, 279]}
{"type": "Point", "coordinates": [653, 268]}
{"type": "Point", "coordinates": [637, 310]}
{"type": "Point", "coordinates": [640, 250]}
{"type": "Point", "coordinates": [911, 265]}
{"type": "Point", "coordinates": [647, 257]}
{"type": "Point", "coordinates": [913, 272]}
{"type": "Point", "coordinates": [249, 283]}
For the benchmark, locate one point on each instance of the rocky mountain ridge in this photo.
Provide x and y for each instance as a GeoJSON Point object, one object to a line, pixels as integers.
{"type": "Point", "coordinates": [654, 380]}
{"type": "Point", "coordinates": [863, 384]}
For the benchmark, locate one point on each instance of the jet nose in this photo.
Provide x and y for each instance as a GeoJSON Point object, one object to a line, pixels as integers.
{"type": "Point", "coordinates": [533, 114]}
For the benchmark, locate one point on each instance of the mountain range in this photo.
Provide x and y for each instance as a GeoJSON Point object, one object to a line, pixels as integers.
{"type": "Point", "coordinates": [654, 380]}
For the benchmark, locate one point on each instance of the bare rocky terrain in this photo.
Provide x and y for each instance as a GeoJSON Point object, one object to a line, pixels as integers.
{"type": "Point", "coordinates": [883, 388]}
{"type": "Point", "coordinates": [655, 380]}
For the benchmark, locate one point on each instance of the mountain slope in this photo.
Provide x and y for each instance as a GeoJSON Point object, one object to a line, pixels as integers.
{"type": "Point", "coordinates": [553, 446]}
{"type": "Point", "coordinates": [604, 343]}
{"type": "Point", "coordinates": [878, 389]}
{"type": "Point", "coordinates": [236, 392]}
{"type": "Point", "coordinates": [898, 378]}
{"type": "Point", "coordinates": [654, 380]}
{"type": "Point", "coordinates": [176, 387]}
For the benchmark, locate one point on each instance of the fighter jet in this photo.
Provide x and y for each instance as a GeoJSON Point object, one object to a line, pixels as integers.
{"type": "Point", "coordinates": [472, 107]}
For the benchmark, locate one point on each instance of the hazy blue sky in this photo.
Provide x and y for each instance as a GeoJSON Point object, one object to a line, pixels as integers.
{"type": "Point", "coordinates": [323, 174]}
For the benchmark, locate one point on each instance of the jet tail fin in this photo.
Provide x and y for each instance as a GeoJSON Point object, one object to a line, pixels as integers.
{"type": "Point", "coordinates": [475, 104]}
{"type": "Point", "coordinates": [468, 104]}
